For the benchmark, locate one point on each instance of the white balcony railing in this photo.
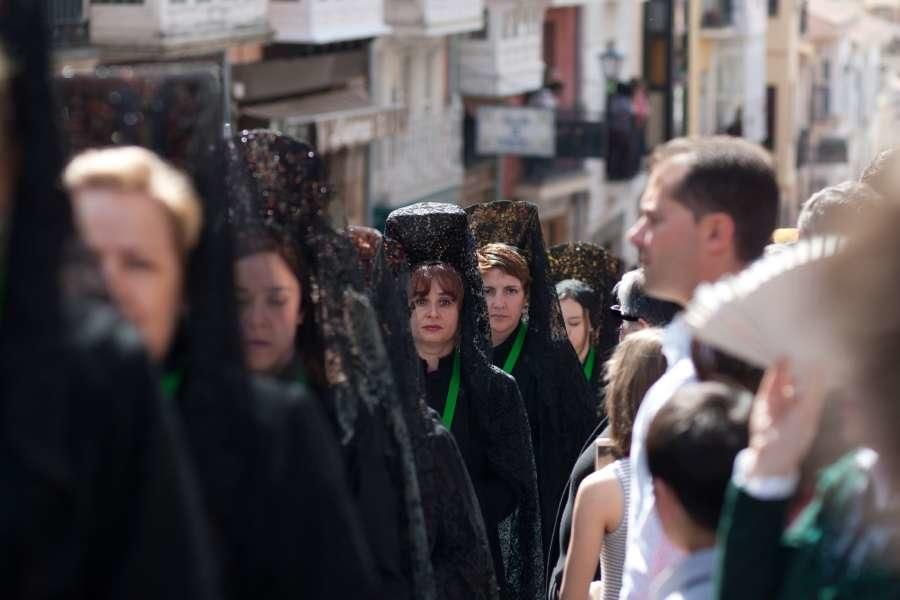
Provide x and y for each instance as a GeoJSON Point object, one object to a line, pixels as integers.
{"type": "Point", "coordinates": [171, 23]}
{"type": "Point", "coordinates": [506, 58]}
{"type": "Point", "coordinates": [326, 21]}
{"type": "Point", "coordinates": [434, 17]}
{"type": "Point", "coordinates": [424, 160]}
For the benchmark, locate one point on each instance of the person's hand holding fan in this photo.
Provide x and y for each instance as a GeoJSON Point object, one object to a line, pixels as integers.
{"type": "Point", "coordinates": [784, 422]}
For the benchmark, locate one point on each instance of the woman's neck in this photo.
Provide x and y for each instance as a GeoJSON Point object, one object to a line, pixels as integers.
{"type": "Point", "coordinates": [497, 339]}
{"type": "Point", "coordinates": [433, 353]}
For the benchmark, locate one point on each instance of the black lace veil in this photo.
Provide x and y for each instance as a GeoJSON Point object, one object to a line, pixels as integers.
{"type": "Point", "coordinates": [429, 232]}
{"type": "Point", "coordinates": [564, 402]}
{"type": "Point", "coordinates": [599, 269]}
{"type": "Point", "coordinates": [278, 184]}
{"type": "Point", "coordinates": [459, 547]}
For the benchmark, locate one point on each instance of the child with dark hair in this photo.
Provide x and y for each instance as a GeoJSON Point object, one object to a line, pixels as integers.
{"type": "Point", "coordinates": [691, 445]}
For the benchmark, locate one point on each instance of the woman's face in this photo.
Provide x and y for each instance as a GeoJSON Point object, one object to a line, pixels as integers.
{"type": "Point", "coordinates": [435, 317]}
{"type": "Point", "coordinates": [132, 237]}
{"type": "Point", "coordinates": [505, 299]}
{"type": "Point", "coordinates": [578, 326]}
{"type": "Point", "coordinates": [271, 310]}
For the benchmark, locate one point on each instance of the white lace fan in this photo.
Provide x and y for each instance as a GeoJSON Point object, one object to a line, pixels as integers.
{"type": "Point", "coordinates": [774, 308]}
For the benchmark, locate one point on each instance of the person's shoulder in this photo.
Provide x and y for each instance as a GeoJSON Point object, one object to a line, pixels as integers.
{"type": "Point", "coordinates": [599, 486]}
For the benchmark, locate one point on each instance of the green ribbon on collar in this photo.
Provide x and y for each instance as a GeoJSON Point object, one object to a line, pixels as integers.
{"type": "Point", "coordinates": [516, 350]}
{"type": "Point", "coordinates": [171, 382]}
{"type": "Point", "coordinates": [589, 364]}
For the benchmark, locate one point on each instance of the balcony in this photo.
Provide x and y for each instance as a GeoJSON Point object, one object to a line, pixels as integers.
{"type": "Point", "coordinates": [422, 161]}
{"type": "Point", "coordinates": [716, 14]}
{"type": "Point", "coordinates": [69, 23]}
{"type": "Point", "coordinates": [505, 58]}
{"type": "Point", "coordinates": [159, 28]}
{"type": "Point", "coordinates": [434, 17]}
{"type": "Point", "coordinates": [326, 21]}
{"type": "Point", "coordinates": [722, 19]}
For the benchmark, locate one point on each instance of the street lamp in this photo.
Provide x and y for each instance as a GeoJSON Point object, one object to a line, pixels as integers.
{"type": "Point", "coordinates": [611, 63]}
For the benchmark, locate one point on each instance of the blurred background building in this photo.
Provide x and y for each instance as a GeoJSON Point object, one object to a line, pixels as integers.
{"type": "Point", "coordinates": [552, 101]}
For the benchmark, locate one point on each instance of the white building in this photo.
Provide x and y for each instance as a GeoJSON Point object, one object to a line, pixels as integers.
{"type": "Point", "coordinates": [848, 82]}
{"type": "Point", "coordinates": [412, 68]}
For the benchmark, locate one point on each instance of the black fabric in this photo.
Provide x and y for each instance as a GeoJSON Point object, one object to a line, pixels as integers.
{"type": "Point", "coordinates": [460, 554]}
{"type": "Point", "coordinates": [562, 411]}
{"type": "Point", "coordinates": [97, 499]}
{"type": "Point", "coordinates": [584, 466]}
{"type": "Point", "coordinates": [269, 477]}
{"type": "Point", "coordinates": [276, 184]}
{"type": "Point", "coordinates": [285, 520]}
{"type": "Point", "coordinates": [438, 232]}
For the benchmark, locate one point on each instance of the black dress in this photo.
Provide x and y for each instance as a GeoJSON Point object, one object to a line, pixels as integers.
{"type": "Point", "coordinates": [97, 497]}
{"type": "Point", "coordinates": [458, 544]}
{"type": "Point", "coordinates": [272, 473]}
{"type": "Point", "coordinates": [497, 497]}
{"type": "Point", "coordinates": [490, 426]}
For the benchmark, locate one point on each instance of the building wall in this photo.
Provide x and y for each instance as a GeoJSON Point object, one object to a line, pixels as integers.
{"type": "Point", "coordinates": [782, 73]}
{"type": "Point", "coordinates": [561, 52]}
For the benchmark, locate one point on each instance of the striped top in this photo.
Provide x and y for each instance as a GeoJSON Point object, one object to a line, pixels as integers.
{"type": "Point", "coordinates": [612, 556]}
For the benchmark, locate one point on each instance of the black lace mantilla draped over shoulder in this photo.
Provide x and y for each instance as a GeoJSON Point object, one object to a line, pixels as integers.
{"type": "Point", "coordinates": [91, 461]}
{"type": "Point", "coordinates": [458, 543]}
{"type": "Point", "coordinates": [499, 456]}
{"type": "Point", "coordinates": [277, 184]}
{"type": "Point", "coordinates": [562, 410]}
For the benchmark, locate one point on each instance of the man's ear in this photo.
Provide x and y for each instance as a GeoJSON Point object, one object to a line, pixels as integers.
{"type": "Point", "coordinates": [717, 231]}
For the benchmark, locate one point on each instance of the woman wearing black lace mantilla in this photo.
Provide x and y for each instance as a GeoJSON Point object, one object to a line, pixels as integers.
{"type": "Point", "coordinates": [282, 519]}
{"type": "Point", "coordinates": [460, 553]}
{"type": "Point", "coordinates": [304, 317]}
{"type": "Point", "coordinates": [530, 342]}
{"type": "Point", "coordinates": [479, 404]}
{"type": "Point", "coordinates": [91, 460]}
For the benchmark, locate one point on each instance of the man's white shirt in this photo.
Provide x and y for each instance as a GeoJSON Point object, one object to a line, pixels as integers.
{"type": "Point", "coordinates": [649, 551]}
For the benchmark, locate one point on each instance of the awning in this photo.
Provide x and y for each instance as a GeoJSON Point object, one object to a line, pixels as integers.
{"type": "Point", "coordinates": [343, 118]}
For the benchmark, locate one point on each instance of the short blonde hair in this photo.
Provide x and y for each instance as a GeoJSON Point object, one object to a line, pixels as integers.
{"type": "Point", "coordinates": [136, 169]}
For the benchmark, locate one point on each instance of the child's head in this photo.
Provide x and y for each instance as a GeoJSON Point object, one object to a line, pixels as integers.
{"type": "Point", "coordinates": [636, 364]}
{"type": "Point", "coordinates": [691, 445]}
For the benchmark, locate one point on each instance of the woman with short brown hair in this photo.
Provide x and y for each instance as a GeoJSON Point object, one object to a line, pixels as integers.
{"type": "Point", "coordinates": [530, 343]}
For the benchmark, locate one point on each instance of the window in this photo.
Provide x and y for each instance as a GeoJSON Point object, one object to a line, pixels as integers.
{"type": "Point", "coordinates": [481, 34]}
{"type": "Point", "coordinates": [117, 1]}
{"type": "Point", "coordinates": [773, 8]}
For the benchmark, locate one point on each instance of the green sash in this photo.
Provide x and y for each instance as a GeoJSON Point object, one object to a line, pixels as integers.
{"type": "Point", "coordinates": [452, 392]}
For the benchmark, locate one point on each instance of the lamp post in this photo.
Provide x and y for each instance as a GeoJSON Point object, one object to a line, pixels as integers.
{"type": "Point", "coordinates": [611, 64]}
